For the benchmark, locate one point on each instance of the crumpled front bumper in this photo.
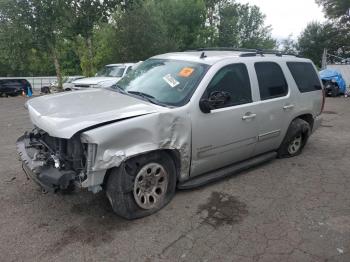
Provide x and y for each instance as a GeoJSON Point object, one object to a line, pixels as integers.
{"type": "Point", "coordinates": [49, 178]}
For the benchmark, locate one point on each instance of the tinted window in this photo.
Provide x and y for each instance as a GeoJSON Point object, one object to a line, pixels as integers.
{"type": "Point", "coordinates": [272, 82]}
{"type": "Point", "coordinates": [305, 76]}
{"type": "Point", "coordinates": [233, 79]}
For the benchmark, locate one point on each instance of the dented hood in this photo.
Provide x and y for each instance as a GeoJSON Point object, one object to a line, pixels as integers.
{"type": "Point", "coordinates": [64, 114]}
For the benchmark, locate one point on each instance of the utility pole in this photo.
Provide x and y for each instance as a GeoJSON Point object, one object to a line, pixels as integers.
{"type": "Point", "coordinates": [324, 59]}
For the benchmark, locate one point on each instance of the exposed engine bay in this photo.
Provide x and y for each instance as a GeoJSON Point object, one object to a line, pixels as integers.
{"type": "Point", "coordinates": [54, 163]}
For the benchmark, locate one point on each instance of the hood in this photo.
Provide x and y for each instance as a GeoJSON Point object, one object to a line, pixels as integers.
{"type": "Point", "coordinates": [64, 114]}
{"type": "Point", "coordinates": [95, 80]}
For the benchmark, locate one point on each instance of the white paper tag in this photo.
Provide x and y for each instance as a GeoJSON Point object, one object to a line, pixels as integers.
{"type": "Point", "coordinates": [171, 80]}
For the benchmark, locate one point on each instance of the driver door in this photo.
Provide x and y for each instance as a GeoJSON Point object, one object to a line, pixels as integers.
{"type": "Point", "coordinates": [228, 133]}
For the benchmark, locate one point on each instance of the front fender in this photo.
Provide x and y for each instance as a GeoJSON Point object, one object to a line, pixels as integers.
{"type": "Point", "coordinates": [125, 139]}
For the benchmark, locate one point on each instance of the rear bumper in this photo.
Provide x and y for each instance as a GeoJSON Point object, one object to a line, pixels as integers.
{"type": "Point", "coordinates": [49, 178]}
{"type": "Point", "coordinates": [317, 123]}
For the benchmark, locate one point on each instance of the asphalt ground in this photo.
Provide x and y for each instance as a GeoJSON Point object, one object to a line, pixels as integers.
{"type": "Point", "coordinates": [295, 209]}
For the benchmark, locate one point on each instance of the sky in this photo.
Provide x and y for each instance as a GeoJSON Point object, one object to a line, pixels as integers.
{"type": "Point", "coordinates": [288, 16]}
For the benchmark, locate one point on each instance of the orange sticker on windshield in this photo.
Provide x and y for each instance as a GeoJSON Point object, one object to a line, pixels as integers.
{"type": "Point", "coordinates": [186, 72]}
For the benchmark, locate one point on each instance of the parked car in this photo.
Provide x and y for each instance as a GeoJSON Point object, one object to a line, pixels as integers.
{"type": "Point", "coordinates": [179, 120]}
{"type": "Point", "coordinates": [106, 77]}
{"type": "Point", "coordinates": [14, 87]}
{"type": "Point", "coordinates": [333, 82]}
{"type": "Point", "coordinates": [67, 85]}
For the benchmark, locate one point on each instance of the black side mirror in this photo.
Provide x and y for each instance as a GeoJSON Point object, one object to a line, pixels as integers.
{"type": "Point", "coordinates": [215, 100]}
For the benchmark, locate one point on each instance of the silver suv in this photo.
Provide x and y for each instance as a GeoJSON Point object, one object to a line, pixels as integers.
{"type": "Point", "coordinates": [179, 120]}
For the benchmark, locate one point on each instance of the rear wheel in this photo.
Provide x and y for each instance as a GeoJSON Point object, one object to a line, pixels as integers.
{"type": "Point", "coordinates": [295, 139]}
{"type": "Point", "coordinates": [142, 186]}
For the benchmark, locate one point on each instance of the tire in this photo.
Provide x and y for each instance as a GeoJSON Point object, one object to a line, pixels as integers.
{"type": "Point", "coordinates": [294, 141]}
{"type": "Point", "coordinates": [152, 176]}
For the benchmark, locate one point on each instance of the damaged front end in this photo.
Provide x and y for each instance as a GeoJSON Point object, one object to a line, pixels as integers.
{"type": "Point", "coordinates": [54, 163]}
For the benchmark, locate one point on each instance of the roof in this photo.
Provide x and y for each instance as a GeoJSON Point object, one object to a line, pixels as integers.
{"type": "Point", "coordinates": [214, 56]}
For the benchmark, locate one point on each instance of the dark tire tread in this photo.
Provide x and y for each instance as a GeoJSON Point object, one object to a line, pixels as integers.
{"type": "Point", "coordinates": [120, 184]}
{"type": "Point", "coordinates": [298, 126]}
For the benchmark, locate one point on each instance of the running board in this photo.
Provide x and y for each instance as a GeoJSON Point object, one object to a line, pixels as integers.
{"type": "Point", "coordinates": [226, 171]}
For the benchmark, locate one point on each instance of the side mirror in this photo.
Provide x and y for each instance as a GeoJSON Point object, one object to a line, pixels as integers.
{"type": "Point", "coordinates": [215, 100]}
{"type": "Point", "coordinates": [205, 106]}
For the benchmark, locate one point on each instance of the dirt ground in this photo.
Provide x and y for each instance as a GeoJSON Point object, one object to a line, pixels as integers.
{"type": "Point", "coordinates": [295, 209]}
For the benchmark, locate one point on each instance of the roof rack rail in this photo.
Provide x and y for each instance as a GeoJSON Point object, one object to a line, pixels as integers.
{"type": "Point", "coordinates": [246, 52]}
{"type": "Point", "coordinates": [225, 49]}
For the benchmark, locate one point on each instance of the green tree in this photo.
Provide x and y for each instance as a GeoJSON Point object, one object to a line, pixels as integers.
{"type": "Point", "coordinates": [288, 45]}
{"type": "Point", "coordinates": [45, 20]}
{"type": "Point", "coordinates": [243, 25]}
{"type": "Point", "coordinates": [316, 37]}
{"type": "Point", "coordinates": [86, 15]}
{"type": "Point", "coordinates": [184, 21]}
{"type": "Point", "coordinates": [335, 9]}
{"type": "Point", "coordinates": [140, 33]}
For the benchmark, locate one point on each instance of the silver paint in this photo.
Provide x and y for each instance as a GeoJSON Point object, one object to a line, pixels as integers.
{"type": "Point", "coordinates": [122, 127]}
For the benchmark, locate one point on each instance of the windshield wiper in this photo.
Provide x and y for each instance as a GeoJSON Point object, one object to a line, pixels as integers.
{"type": "Point", "coordinates": [148, 97]}
{"type": "Point", "coordinates": [138, 93]}
{"type": "Point", "coordinates": [119, 88]}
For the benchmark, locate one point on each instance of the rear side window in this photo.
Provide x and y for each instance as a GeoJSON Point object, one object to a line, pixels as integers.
{"type": "Point", "coordinates": [305, 76]}
{"type": "Point", "coordinates": [272, 82]}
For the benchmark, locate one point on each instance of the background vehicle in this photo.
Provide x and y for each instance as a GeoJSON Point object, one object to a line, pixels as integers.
{"type": "Point", "coordinates": [67, 85]}
{"type": "Point", "coordinates": [333, 82]}
{"type": "Point", "coordinates": [14, 87]}
{"type": "Point", "coordinates": [106, 77]}
{"type": "Point", "coordinates": [178, 120]}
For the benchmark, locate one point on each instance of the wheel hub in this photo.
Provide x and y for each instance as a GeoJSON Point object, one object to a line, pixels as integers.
{"type": "Point", "coordinates": [150, 185]}
{"type": "Point", "coordinates": [295, 145]}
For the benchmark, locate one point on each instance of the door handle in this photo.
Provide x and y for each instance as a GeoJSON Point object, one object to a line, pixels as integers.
{"type": "Point", "coordinates": [286, 107]}
{"type": "Point", "coordinates": [248, 116]}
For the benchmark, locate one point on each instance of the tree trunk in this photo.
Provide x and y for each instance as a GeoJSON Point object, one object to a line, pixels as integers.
{"type": "Point", "coordinates": [90, 55]}
{"type": "Point", "coordinates": [58, 69]}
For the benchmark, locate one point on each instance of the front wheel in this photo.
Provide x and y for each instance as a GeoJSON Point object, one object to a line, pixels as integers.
{"type": "Point", "coordinates": [295, 139]}
{"type": "Point", "coordinates": [142, 186]}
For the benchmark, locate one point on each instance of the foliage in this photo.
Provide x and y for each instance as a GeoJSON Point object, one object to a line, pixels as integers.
{"type": "Point", "coordinates": [79, 36]}
{"type": "Point", "coordinates": [86, 14]}
{"type": "Point", "coordinates": [243, 26]}
{"type": "Point", "coordinates": [288, 45]}
{"type": "Point", "coordinates": [335, 9]}
{"type": "Point", "coordinates": [316, 37]}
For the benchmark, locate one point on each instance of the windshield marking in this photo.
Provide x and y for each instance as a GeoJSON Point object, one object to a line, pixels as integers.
{"type": "Point", "coordinates": [171, 81]}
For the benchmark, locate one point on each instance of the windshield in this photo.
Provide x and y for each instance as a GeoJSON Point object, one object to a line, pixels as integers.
{"type": "Point", "coordinates": [111, 71]}
{"type": "Point", "coordinates": [169, 82]}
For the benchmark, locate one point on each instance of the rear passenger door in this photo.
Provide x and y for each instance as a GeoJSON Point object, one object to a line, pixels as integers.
{"type": "Point", "coordinates": [275, 108]}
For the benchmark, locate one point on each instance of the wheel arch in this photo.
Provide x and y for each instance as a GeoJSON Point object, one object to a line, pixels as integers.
{"type": "Point", "coordinates": [308, 118]}
{"type": "Point", "coordinates": [174, 154]}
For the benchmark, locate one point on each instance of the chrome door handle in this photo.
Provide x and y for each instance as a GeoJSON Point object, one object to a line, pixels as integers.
{"type": "Point", "coordinates": [288, 107]}
{"type": "Point", "coordinates": [248, 116]}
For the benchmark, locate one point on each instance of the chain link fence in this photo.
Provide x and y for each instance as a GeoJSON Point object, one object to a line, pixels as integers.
{"type": "Point", "coordinates": [37, 82]}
